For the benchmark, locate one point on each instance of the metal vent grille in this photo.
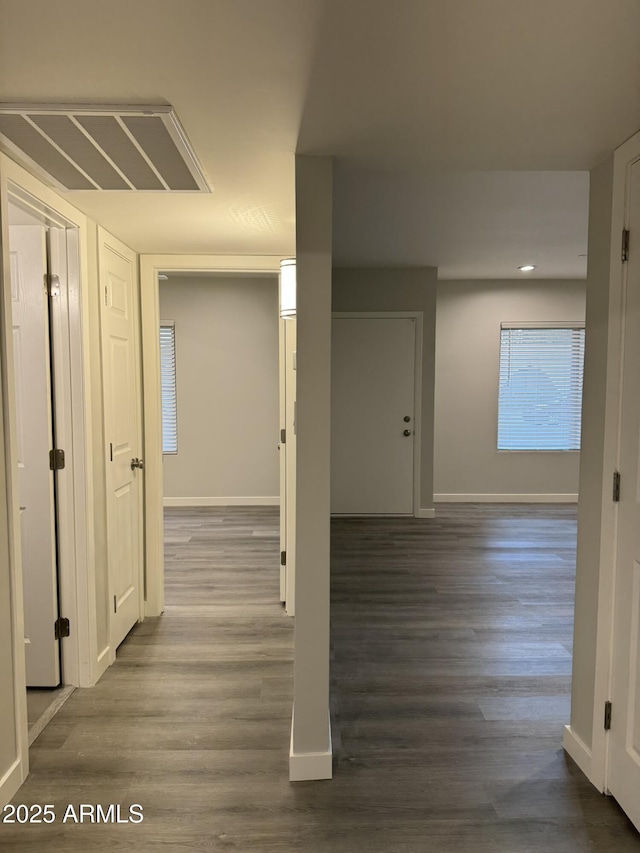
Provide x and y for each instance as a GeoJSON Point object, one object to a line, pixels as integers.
{"type": "Point", "coordinates": [103, 148]}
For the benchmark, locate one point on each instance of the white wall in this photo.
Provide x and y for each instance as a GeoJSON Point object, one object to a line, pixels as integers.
{"type": "Point", "coordinates": [467, 464]}
{"type": "Point", "coordinates": [227, 383]}
{"type": "Point", "coordinates": [400, 289]}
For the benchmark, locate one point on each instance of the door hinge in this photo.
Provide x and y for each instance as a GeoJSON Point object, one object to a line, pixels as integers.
{"type": "Point", "coordinates": [51, 285]}
{"type": "Point", "coordinates": [106, 298]}
{"type": "Point", "coordinates": [625, 244]}
{"type": "Point", "coordinates": [283, 436]}
{"type": "Point", "coordinates": [283, 558]}
{"type": "Point", "coordinates": [616, 486]}
{"type": "Point", "coordinates": [607, 716]}
{"type": "Point", "coordinates": [56, 459]}
{"type": "Point", "coordinates": [61, 628]}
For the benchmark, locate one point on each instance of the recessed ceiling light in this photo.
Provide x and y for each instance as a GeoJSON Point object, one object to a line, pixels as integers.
{"type": "Point", "coordinates": [162, 277]}
{"type": "Point", "coordinates": [527, 268]}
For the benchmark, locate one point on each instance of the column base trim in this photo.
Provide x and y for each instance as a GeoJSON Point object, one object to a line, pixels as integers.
{"type": "Point", "coordinates": [310, 766]}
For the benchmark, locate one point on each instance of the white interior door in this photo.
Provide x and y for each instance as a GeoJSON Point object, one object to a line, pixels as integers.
{"type": "Point", "coordinates": [291, 331]}
{"type": "Point", "coordinates": [624, 745]}
{"type": "Point", "coordinates": [35, 439]}
{"type": "Point", "coordinates": [121, 359]}
{"type": "Point", "coordinates": [372, 415]}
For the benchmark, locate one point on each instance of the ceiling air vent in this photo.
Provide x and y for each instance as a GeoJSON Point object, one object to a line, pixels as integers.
{"type": "Point", "coordinates": [103, 148]}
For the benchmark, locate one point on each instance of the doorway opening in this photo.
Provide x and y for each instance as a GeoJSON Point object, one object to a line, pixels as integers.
{"type": "Point", "coordinates": [222, 313]}
{"type": "Point", "coordinates": [218, 338]}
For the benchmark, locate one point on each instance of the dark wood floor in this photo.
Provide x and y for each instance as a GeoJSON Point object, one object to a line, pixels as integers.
{"type": "Point", "coordinates": [451, 678]}
{"type": "Point", "coordinates": [451, 672]}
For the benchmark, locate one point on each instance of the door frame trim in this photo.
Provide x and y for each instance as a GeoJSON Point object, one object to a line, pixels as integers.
{"type": "Point", "coordinates": [625, 157]}
{"type": "Point", "coordinates": [151, 265]}
{"type": "Point", "coordinates": [75, 529]}
{"type": "Point", "coordinates": [76, 577]}
{"type": "Point", "coordinates": [595, 762]}
{"type": "Point", "coordinates": [418, 318]}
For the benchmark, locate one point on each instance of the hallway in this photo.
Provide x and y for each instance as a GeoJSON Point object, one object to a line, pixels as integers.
{"type": "Point", "coordinates": [193, 720]}
{"type": "Point", "coordinates": [450, 684]}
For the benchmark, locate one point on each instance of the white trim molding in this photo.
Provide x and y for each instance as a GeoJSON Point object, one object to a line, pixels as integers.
{"type": "Point", "coordinates": [577, 749]}
{"type": "Point", "coordinates": [571, 498]}
{"type": "Point", "coordinates": [269, 500]}
{"type": "Point", "coordinates": [310, 766]}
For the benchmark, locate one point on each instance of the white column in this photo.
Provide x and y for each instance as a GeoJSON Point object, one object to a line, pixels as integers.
{"type": "Point", "coordinates": [310, 756]}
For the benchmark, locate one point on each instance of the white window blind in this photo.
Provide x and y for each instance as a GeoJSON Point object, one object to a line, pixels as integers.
{"type": "Point", "coordinates": [540, 394]}
{"type": "Point", "coordinates": [168, 387]}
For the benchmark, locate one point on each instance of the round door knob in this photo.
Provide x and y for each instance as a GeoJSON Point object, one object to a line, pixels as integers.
{"type": "Point", "coordinates": [406, 419]}
{"type": "Point", "coordinates": [407, 432]}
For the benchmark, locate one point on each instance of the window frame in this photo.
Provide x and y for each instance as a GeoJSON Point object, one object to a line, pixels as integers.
{"type": "Point", "coordinates": [569, 325]}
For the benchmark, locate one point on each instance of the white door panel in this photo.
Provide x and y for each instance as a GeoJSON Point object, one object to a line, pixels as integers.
{"type": "Point", "coordinates": [34, 441]}
{"type": "Point", "coordinates": [624, 754]}
{"type": "Point", "coordinates": [122, 433]}
{"type": "Point", "coordinates": [372, 392]}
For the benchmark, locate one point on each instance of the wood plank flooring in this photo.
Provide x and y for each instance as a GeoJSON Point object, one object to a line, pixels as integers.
{"type": "Point", "coordinates": [450, 683]}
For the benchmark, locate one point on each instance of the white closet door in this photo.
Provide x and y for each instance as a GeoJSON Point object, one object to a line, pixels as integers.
{"type": "Point", "coordinates": [121, 360]}
{"type": "Point", "coordinates": [372, 416]}
{"type": "Point", "coordinates": [35, 440]}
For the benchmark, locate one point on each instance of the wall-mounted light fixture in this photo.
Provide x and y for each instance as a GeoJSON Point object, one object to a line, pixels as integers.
{"type": "Point", "coordinates": [288, 287]}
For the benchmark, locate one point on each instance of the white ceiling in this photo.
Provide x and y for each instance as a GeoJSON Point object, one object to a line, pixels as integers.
{"type": "Point", "coordinates": [418, 100]}
{"type": "Point", "coordinates": [468, 224]}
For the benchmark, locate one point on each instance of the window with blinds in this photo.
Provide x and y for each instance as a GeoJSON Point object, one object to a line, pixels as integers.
{"type": "Point", "coordinates": [540, 393]}
{"type": "Point", "coordinates": [168, 387]}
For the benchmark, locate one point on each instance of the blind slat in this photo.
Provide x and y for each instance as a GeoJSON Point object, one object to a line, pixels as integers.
{"type": "Point", "coordinates": [540, 388]}
{"type": "Point", "coordinates": [168, 389]}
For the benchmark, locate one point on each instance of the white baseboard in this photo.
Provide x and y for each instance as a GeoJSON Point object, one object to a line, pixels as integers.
{"type": "Point", "coordinates": [10, 783]}
{"type": "Point", "coordinates": [507, 499]}
{"type": "Point", "coordinates": [310, 766]}
{"type": "Point", "coordinates": [233, 501]}
{"type": "Point", "coordinates": [425, 512]}
{"type": "Point", "coordinates": [578, 750]}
